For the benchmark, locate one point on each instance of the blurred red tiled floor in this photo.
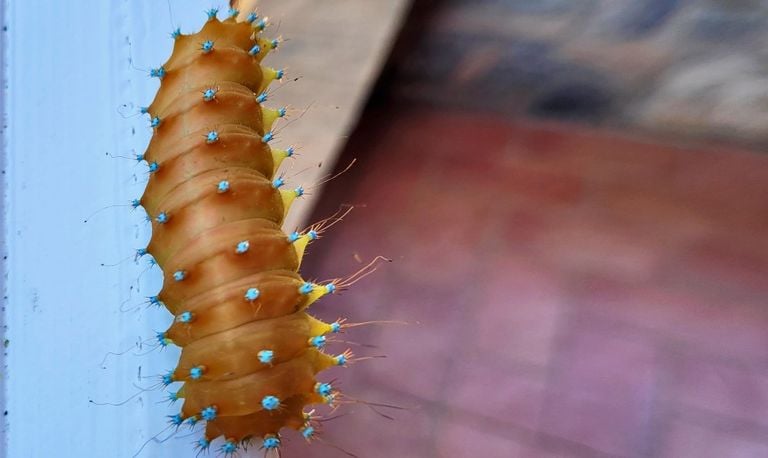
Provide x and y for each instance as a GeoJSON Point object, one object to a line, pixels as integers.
{"type": "Point", "coordinates": [571, 292]}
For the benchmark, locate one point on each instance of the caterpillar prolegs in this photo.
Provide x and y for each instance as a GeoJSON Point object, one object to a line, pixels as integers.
{"type": "Point", "coordinates": [250, 353]}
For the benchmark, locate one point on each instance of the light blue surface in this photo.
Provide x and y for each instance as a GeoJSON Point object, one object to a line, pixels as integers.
{"type": "Point", "coordinates": [72, 96]}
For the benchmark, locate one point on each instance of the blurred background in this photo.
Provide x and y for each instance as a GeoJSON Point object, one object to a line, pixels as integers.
{"type": "Point", "coordinates": [575, 197]}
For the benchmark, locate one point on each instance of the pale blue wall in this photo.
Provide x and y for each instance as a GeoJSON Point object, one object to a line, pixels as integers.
{"type": "Point", "coordinates": [4, 114]}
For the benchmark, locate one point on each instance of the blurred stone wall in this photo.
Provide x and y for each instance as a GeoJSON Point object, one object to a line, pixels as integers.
{"type": "Point", "coordinates": [692, 67]}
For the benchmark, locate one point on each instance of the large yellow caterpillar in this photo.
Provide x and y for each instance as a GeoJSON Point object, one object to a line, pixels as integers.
{"type": "Point", "coordinates": [250, 352]}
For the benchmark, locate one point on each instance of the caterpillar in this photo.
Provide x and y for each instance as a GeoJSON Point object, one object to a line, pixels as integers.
{"type": "Point", "coordinates": [250, 352]}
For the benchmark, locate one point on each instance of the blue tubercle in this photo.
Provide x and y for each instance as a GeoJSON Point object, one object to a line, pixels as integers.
{"type": "Point", "coordinates": [212, 137]}
{"type": "Point", "coordinates": [209, 413]}
{"type": "Point", "coordinates": [173, 396]}
{"type": "Point", "coordinates": [212, 13]}
{"type": "Point", "coordinates": [251, 17]}
{"type": "Point", "coordinates": [330, 288]}
{"type": "Point", "coordinates": [162, 339]}
{"type": "Point", "coordinates": [196, 372]}
{"type": "Point", "coordinates": [186, 317]}
{"type": "Point", "coordinates": [176, 33]}
{"type": "Point", "coordinates": [281, 112]}
{"type": "Point", "coordinates": [154, 300]}
{"type": "Point", "coordinates": [270, 443]}
{"type": "Point", "coordinates": [277, 182]}
{"type": "Point", "coordinates": [207, 46]}
{"type": "Point", "coordinates": [252, 294]}
{"type": "Point", "coordinates": [307, 432]}
{"type": "Point", "coordinates": [323, 389]}
{"type": "Point", "coordinates": [162, 218]}
{"type": "Point", "coordinates": [335, 327]}
{"type": "Point", "coordinates": [341, 360]}
{"type": "Point", "coordinates": [139, 157]}
{"type": "Point", "coordinates": [228, 448]}
{"type": "Point", "coordinates": [179, 275]}
{"type": "Point", "coordinates": [318, 342]}
{"type": "Point", "coordinates": [265, 356]}
{"type": "Point", "coordinates": [175, 420]}
{"type": "Point", "coordinates": [299, 191]}
{"type": "Point", "coordinates": [153, 166]}
{"type": "Point", "coordinates": [242, 247]}
{"type": "Point", "coordinates": [233, 12]}
{"type": "Point", "coordinates": [154, 122]}
{"type": "Point", "coordinates": [157, 72]}
{"type": "Point", "coordinates": [262, 97]}
{"type": "Point", "coordinates": [135, 203]}
{"type": "Point", "coordinates": [289, 151]}
{"type": "Point", "coordinates": [193, 420]}
{"type": "Point", "coordinates": [312, 235]}
{"type": "Point", "coordinates": [306, 288]}
{"type": "Point", "coordinates": [255, 50]}
{"type": "Point", "coordinates": [280, 74]}
{"type": "Point", "coordinates": [209, 94]}
{"type": "Point", "coordinates": [274, 43]}
{"type": "Point", "coordinates": [168, 378]}
{"type": "Point", "coordinates": [268, 137]}
{"type": "Point", "coordinates": [261, 25]}
{"type": "Point", "coordinates": [223, 186]}
{"type": "Point", "coordinates": [143, 110]}
{"type": "Point", "coordinates": [140, 252]}
{"type": "Point", "coordinates": [203, 444]}
{"type": "Point", "coordinates": [270, 402]}
{"type": "Point", "coordinates": [293, 236]}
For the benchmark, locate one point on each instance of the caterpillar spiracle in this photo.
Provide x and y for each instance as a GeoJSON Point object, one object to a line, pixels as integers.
{"type": "Point", "coordinates": [250, 353]}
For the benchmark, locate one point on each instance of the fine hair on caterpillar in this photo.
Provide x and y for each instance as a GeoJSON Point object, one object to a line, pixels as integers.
{"type": "Point", "coordinates": [250, 358]}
